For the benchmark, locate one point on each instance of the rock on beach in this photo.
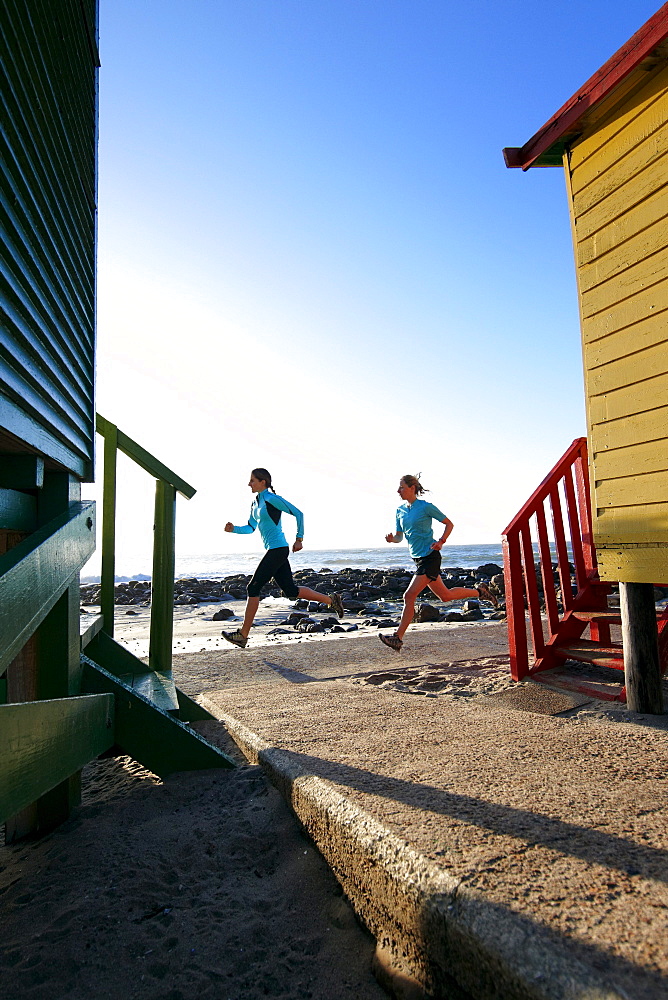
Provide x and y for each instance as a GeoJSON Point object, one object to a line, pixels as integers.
{"type": "Point", "coordinates": [357, 587]}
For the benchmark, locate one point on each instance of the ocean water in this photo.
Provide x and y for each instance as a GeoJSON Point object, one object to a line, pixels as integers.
{"type": "Point", "coordinates": [390, 557]}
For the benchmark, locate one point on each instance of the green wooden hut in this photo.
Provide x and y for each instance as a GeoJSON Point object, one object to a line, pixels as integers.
{"type": "Point", "coordinates": [58, 709]}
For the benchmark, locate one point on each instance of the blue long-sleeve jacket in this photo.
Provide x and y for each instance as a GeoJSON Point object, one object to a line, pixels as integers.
{"type": "Point", "coordinates": [266, 514]}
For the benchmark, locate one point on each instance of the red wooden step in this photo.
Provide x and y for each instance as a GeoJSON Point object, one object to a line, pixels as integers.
{"type": "Point", "coordinates": [611, 617]}
{"type": "Point", "coordinates": [595, 688]}
{"type": "Point", "coordinates": [588, 651]}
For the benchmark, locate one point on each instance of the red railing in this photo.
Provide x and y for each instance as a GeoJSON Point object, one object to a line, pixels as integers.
{"type": "Point", "coordinates": [567, 483]}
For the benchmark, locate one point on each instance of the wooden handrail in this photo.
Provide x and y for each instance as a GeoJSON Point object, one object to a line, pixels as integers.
{"type": "Point", "coordinates": [568, 481]}
{"type": "Point", "coordinates": [575, 451]}
{"type": "Point", "coordinates": [168, 484]}
{"type": "Point", "coordinates": [149, 463]}
{"type": "Point", "coordinates": [37, 571]}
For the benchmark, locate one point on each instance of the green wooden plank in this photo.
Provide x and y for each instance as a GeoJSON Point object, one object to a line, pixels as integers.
{"type": "Point", "coordinates": [3, 690]}
{"type": "Point", "coordinates": [37, 571]}
{"type": "Point", "coordinates": [191, 711]}
{"type": "Point", "coordinates": [43, 742]}
{"type": "Point", "coordinates": [18, 511]}
{"type": "Point", "coordinates": [144, 459]}
{"type": "Point", "coordinates": [157, 740]}
{"type": "Point", "coordinates": [108, 569]}
{"type": "Point", "coordinates": [157, 687]}
{"type": "Point", "coordinates": [21, 472]}
{"type": "Point", "coordinates": [49, 234]}
{"type": "Point", "coordinates": [89, 626]}
{"type": "Point", "coordinates": [115, 658]}
{"type": "Point", "coordinates": [21, 425]}
{"type": "Point", "coordinates": [162, 580]}
{"type": "Point", "coordinates": [59, 647]}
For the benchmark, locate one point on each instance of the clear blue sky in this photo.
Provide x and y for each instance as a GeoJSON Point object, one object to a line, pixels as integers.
{"type": "Point", "coordinates": [312, 257]}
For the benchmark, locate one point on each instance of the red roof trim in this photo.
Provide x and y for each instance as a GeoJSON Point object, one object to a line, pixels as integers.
{"type": "Point", "coordinates": [624, 61]}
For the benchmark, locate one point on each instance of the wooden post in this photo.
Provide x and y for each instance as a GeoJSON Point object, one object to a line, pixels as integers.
{"type": "Point", "coordinates": [50, 667]}
{"type": "Point", "coordinates": [108, 568]}
{"type": "Point", "coordinates": [58, 649]}
{"type": "Point", "coordinates": [21, 685]}
{"type": "Point", "coordinates": [641, 648]}
{"type": "Point", "coordinates": [162, 582]}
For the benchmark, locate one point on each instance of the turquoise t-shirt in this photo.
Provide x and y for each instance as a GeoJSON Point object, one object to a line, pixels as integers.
{"type": "Point", "coordinates": [414, 521]}
{"type": "Point", "coordinates": [265, 513]}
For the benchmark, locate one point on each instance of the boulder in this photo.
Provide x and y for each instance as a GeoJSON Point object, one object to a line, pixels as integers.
{"type": "Point", "coordinates": [222, 615]}
{"type": "Point", "coordinates": [296, 617]}
{"type": "Point", "coordinates": [427, 613]}
{"type": "Point", "coordinates": [489, 570]}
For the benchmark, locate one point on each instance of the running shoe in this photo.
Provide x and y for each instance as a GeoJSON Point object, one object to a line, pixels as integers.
{"type": "Point", "coordinates": [236, 638]}
{"type": "Point", "coordinates": [486, 594]}
{"type": "Point", "coordinates": [392, 641]}
{"type": "Point", "coordinates": [337, 605]}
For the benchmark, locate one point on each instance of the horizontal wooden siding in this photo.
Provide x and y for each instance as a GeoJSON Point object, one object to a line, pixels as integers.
{"type": "Point", "coordinates": [618, 180]}
{"type": "Point", "coordinates": [48, 138]}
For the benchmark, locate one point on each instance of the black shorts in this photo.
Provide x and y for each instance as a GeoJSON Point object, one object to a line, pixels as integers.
{"type": "Point", "coordinates": [274, 564]}
{"type": "Point", "coordinates": [429, 565]}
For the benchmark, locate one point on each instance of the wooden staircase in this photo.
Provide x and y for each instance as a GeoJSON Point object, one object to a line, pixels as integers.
{"type": "Point", "coordinates": [553, 587]}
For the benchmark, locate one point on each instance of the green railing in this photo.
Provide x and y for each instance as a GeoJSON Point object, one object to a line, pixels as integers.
{"type": "Point", "coordinates": [48, 730]}
{"type": "Point", "coordinates": [38, 571]}
{"type": "Point", "coordinates": [168, 484]}
{"type": "Point", "coordinates": [59, 709]}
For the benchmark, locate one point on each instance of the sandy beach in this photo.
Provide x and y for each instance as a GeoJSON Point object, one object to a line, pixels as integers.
{"type": "Point", "coordinates": [205, 884]}
{"type": "Point", "coordinates": [200, 885]}
{"type": "Point", "coordinates": [196, 631]}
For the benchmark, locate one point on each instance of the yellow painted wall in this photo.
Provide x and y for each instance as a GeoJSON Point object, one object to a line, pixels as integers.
{"type": "Point", "coordinates": [617, 177]}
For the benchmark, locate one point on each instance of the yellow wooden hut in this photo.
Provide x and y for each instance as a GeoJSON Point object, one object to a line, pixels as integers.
{"type": "Point", "coordinates": [612, 139]}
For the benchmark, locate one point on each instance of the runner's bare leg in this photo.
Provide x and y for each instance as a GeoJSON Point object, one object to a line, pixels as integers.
{"type": "Point", "coordinates": [415, 587]}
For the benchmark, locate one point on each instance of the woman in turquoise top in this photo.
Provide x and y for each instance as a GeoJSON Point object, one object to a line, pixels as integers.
{"type": "Point", "coordinates": [265, 514]}
{"type": "Point", "coordinates": [414, 520]}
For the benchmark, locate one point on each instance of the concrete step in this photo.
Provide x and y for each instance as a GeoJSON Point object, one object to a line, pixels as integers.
{"type": "Point", "coordinates": [438, 935]}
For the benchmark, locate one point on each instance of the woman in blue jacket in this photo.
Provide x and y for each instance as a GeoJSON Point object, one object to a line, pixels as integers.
{"type": "Point", "coordinates": [265, 514]}
{"type": "Point", "coordinates": [414, 520]}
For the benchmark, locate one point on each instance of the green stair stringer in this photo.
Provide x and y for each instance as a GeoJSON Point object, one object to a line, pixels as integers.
{"type": "Point", "coordinates": [157, 685]}
{"type": "Point", "coordinates": [147, 733]}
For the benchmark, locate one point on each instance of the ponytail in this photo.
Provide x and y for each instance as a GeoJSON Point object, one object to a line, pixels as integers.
{"type": "Point", "coordinates": [410, 481]}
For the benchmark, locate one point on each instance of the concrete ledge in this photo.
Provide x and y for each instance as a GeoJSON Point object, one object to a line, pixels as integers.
{"type": "Point", "coordinates": [436, 937]}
